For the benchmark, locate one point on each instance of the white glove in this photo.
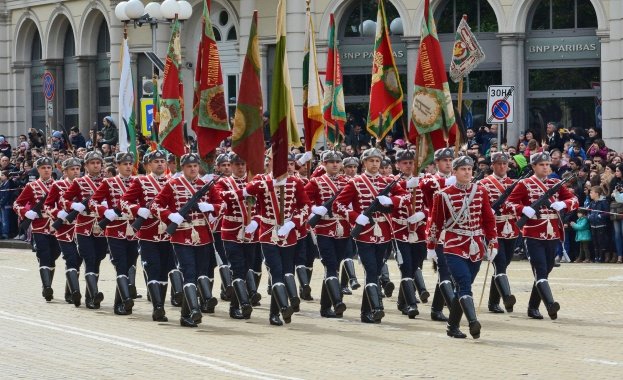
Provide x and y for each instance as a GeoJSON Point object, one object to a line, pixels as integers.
{"type": "Point", "coordinates": [306, 157]}
{"type": "Point", "coordinates": [281, 182]}
{"type": "Point", "coordinates": [491, 253]}
{"type": "Point", "coordinates": [384, 200]}
{"type": "Point", "coordinates": [450, 180]}
{"type": "Point", "coordinates": [205, 207]}
{"type": "Point", "coordinates": [362, 220]}
{"type": "Point", "coordinates": [104, 203]}
{"type": "Point", "coordinates": [244, 193]}
{"type": "Point", "coordinates": [431, 254]}
{"type": "Point", "coordinates": [143, 213]}
{"type": "Point", "coordinates": [110, 215]}
{"type": "Point", "coordinates": [176, 218]}
{"type": "Point", "coordinates": [286, 228]}
{"type": "Point", "coordinates": [559, 205]}
{"type": "Point", "coordinates": [211, 218]}
{"type": "Point", "coordinates": [62, 214]}
{"type": "Point", "coordinates": [413, 182]}
{"type": "Point", "coordinates": [416, 217]}
{"type": "Point", "coordinates": [207, 178]}
{"type": "Point", "coordinates": [78, 206]}
{"type": "Point", "coordinates": [319, 210]}
{"type": "Point", "coordinates": [529, 212]}
{"type": "Point", "coordinates": [32, 215]}
{"type": "Point", "coordinates": [251, 227]}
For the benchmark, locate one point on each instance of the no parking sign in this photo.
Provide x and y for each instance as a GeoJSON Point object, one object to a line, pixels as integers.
{"type": "Point", "coordinates": [500, 104]}
{"type": "Point", "coordinates": [49, 86]}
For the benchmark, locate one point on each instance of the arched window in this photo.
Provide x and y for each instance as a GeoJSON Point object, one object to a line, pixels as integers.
{"type": "Point", "coordinates": [102, 74]}
{"type": "Point", "coordinates": [36, 83]}
{"type": "Point", "coordinates": [223, 23]}
{"type": "Point", "coordinates": [480, 16]}
{"type": "Point", "coordinates": [361, 19]}
{"type": "Point", "coordinates": [563, 14]}
{"type": "Point", "coordinates": [70, 81]}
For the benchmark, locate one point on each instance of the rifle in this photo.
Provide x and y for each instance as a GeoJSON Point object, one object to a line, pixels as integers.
{"type": "Point", "coordinates": [502, 199]}
{"type": "Point", "coordinates": [24, 224]}
{"type": "Point", "coordinates": [71, 216]}
{"type": "Point", "coordinates": [356, 231]}
{"type": "Point", "coordinates": [543, 200]}
{"type": "Point", "coordinates": [192, 202]}
{"type": "Point", "coordinates": [328, 204]}
{"type": "Point", "coordinates": [138, 222]}
{"type": "Point", "coordinates": [105, 221]}
{"type": "Point", "coordinates": [478, 177]}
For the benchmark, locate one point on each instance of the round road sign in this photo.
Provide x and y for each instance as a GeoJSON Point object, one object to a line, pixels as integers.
{"type": "Point", "coordinates": [500, 109]}
{"type": "Point", "coordinates": [49, 86]}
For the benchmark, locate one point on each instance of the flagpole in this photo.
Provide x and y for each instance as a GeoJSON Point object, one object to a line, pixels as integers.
{"type": "Point", "coordinates": [459, 101]}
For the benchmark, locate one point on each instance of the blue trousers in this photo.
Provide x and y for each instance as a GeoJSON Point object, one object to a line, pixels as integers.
{"type": "Point", "coordinates": [442, 267]}
{"type": "Point", "coordinates": [372, 257]}
{"type": "Point", "coordinates": [541, 254]}
{"type": "Point", "coordinates": [70, 255]}
{"type": "Point", "coordinates": [506, 248]}
{"type": "Point", "coordinates": [279, 261]}
{"type": "Point", "coordinates": [238, 254]}
{"type": "Point", "coordinates": [412, 256]}
{"type": "Point", "coordinates": [92, 250]}
{"type": "Point", "coordinates": [123, 254]}
{"type": "Point", "coordinates": [332, 253]}
{"type": "Point", "coordinates": [47, 249]}
{"type": "Point", "coordinates": [463, 272]}
{"type": "Point", "coordinates": [157, 259]}
{"type": "Point", "coordinates": [254, 259]}
{"type": "Point", "coordinates": [220, 250]}
{"type": "Point", "coordinates": [193, 260]}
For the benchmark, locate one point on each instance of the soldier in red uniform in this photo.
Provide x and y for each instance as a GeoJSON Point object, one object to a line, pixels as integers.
{"type": "Point", "coordinates": [506, 225]}
{"type": "Point", "coordinates": [332, 232]}
{"type": "Point", "coordinates": [65, 234]}
{"type": "Point", "coordinates": [462, 213]}
{"type": "Point", "coordinates": [106, 203]}
{"type": "Point", "coordinates": [223, 167]}
{"type": "Point", "coordinates": [542, 231]}
{"type": "Point", "coordinates": [372, 243]}
{"type": "Point", "coordinates": [192, 241]}
{"type": "Point", "coordinates": [409, 225]}
{"type": "Point", "coordinates": [278, 236]}
{"type": "Point", "coordinates": [92, 246]}
{"type": "Point", "coordinates": [387, 286]}
{"type": "Point", "coordinates": [156, 251]}
{"type": "Point", "coordinates": [348, 276]}
{"type": "Point", "coordinates": [429, 186]}
{"type": "Point", "coordinates": [25, 206]}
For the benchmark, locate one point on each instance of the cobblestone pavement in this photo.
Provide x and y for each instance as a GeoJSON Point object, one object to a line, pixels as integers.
{"type": "Point", "coordinates": [57, 340]}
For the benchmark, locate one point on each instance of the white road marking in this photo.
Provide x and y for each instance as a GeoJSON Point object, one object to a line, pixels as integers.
{"type": "Point", "coordinates": [15, 268]}
{"type": "Point", "coordinates": [606, 362]}
{"type": "Point", "coordinates": [206, 361]}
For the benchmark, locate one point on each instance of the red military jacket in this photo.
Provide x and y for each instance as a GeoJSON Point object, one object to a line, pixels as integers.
{"type": "Point", "coordinates": [53, 204]}
{"type": "Point", "coordinates": [506, 221]}
{"type": "Point", "coordinates": [79, 190]}
{"type": "Point", "coordinates": [319, 190]}
{"type": "Point", "coordinates": [195, 229]}
{"type": "Point", "coordinates": [32, 194]}
{"type": "Point", "coordinates": [141, 193]}
{"type": "Point", "coordinates": [236, 216]}
{"type": "Point", "coordinates": [462, 224]}
{"type": "Point", "coordinates": [360, 192]}
{"type": "Point", "coordinates": [303, 229]}
{"type": "Point", "coordinates": [403, 230]}
{"type": "Point", "coordinates": [548, 225]}
{"type": "Point", "coordinates": [111, 190]}
{"type": "Point", "coordinates": [295, 208]}
{"type": "Point", "coordinates": [430, 184]}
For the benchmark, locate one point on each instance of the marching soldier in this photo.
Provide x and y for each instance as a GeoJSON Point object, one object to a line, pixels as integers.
{"type": "Point", "coordinates": [387, 286]}
{"type": "Point", "coordinates": [462, 212]}
{"type": "Point", "coordinates": [429, 186]}
{"type": "Point", "coordinates": [223, 167]}
{"type": "Point", "coordinates": [278, 237]}
{"type": "Point", "coordinates": [29, 204]}
{"type": "Point", "coordinates": [156, 252]}
{"type": "Point", "coordinates": [373, 242]}
{"type": "Point", "coordinates": [541, 232]}
{"type": "Point", "coordinates": [192, 241]}
{"type": "Point", "coordinates": [90, 239]}
{"type": "Point", "coordinates": [348, 277]}
{"type": "Point", "coordinates": [507, 231]}
{"type": "Point", "coordinates": [106, 203]}
{"type": "Point", "coordinates": [66, 232]}
{"type": "Point", "coordinates": [332, 232]}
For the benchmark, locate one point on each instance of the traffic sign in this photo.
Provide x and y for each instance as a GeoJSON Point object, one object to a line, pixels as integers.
{"type": "Point", "coordinates": [500, 104]}
{"type": "Point", "coordinates": [49, 86]}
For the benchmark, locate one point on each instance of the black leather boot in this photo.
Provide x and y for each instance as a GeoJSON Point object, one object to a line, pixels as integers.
{"type": "Point", "coordinates": [290, 285]}
{"type": "Point", "coordinates": [467, 304]}
{"type": "Point", "coordinates": [226, 281]}
{"type": "Point", "coordinates": [366, 310]}
{"type": "Point", "coordinates": [123, 290]}
{"type": "Point", "coordinates": [494, 298]}
{"type": "Point", "coordinates": [386, 282]}
{"type": "Point", "coordinates": [73, 286]}
{"type": "Point", "coordinates": [418, 279]}
{"type": "Point", "coordinates": [155, 290]}
{"type": "Point", "coordinates": [407, 288]}
{"type": "Point", "coordinates": [208, 301]}
{"type": "Point", "coordinates": [325, 303]}
{"type": "Point", "coordinates": [46, 282]}
{"type": "Point", "coordinates": [190, 295]}
{"type": "Point", "coordinates": [146, 284]}
{"type": "Point", "coordinates": [304, 288]}
{"type": "Point", "coordinates": [436, 308]}
{"type": "Point", "coordinates": [447, 291]}
{"type": "Point", "coordinates": [273, 317]}
{"type": "Point", "coordinates": [504, 289]}
{"type": "Point", "coordinates": [68, 293]}
{"type": "Point", "coordinates": [454, 321]}
{"type": "Point", "coordinates": [95, 296]}
{"type": "Point", "coordinates": [344, 281]}
{"type": "Point", "coordinates": [254, 296]}
{"type": "Point", "coordinates": [548, 298]}
{"type": "Point", "coordinates": [280, 295]}
{"type": "Point", "coordinates": [242, 298]}
{"type": "Point", "coordinates": [349, 268]}
{"type": "Point", "coordinates": [533, 304]}
{"type": "Point", "coordinates": [177, 284]}
{"type": "Point", "coordinates": [373, 296]}
{"type": "Point", "coordinates": [185, 318]}
{"type": "Point", "coordinates": [132, 283]}
{"type": "Point", "coordinates": [335, 295]}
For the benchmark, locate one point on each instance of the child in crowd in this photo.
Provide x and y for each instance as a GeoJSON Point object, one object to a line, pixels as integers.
{"type": "Point", "coordinates": [598, 218]}
{"type": "Point", "coordinates": [582, 236]}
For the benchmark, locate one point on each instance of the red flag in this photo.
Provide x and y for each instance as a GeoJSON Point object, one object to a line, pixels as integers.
{"type": "Point", "coordinates": [333, 106]}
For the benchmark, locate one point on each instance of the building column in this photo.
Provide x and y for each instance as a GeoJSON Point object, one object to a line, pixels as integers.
{"type": "Point", "coordinates": [296, 23]}
{"type": "Point", "coordinates": [246, 16]}
{"type": "Point", "coordinates": [116, 38]}
{"type": "Point", "coordinates": [611, 81]}
{"type": "Point", "coordinates": [513, 74]}
{"type": "Point", "coordinates": [55, 66]}
{"type": "Point", "coordinates": [264, 77]}
{"type": "Point", "coordinates": [22, 101]}
{"type": "Point", "coordinates": [413, 47]}
{"type": "Point", "coordinates": [85, 89]}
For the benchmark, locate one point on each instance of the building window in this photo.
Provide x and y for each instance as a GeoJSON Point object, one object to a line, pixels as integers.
{"type": "Point", "coordinates": [556, 79]}
{"type": "Point", "coordinates": [480, 16]}
{"type": "Point", "coordinates": [232, 91]}
{"type": "Point", "coordinates": [563, 14]}
{"type": "Point", "coordinates": [38, 118]}
{"type": "Point", "coordinates": [361, 19]}
{"type": "Point", "coordinates": [70, 82]}
{"type": "Point", "coordinates": [222, 24]}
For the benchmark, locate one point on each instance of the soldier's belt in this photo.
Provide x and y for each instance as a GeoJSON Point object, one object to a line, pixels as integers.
{"type": "Point", "coordinates": [191, 224]}
{"type": "Point", "coordinates": [236, 219]}
{"type": "Point", "coordinates": [401, 222]}
{"type": "Point", "coordinates": [502, 218]}
{"type": "Point", "coordinates": [269, 221]}
{"type": "Point", "coordinates": [462, 232]}
{"type": "Point", "coordinates": [547, 216]}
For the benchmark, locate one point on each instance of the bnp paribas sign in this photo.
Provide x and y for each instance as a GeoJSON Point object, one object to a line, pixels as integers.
{"type": "Point", "coordinates": [562, 48]}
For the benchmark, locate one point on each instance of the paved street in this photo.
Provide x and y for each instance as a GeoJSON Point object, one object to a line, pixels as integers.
{"type": "Point", "coordinates": [56, 340]}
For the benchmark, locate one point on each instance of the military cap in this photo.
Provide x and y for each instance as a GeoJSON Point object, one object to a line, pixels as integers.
{"type": "Point", "coordinates": [386, 162]}
{"type": "Point", "coordinates": [291, 157]}
{"type": "Point", "coordinates": [405, 155]}
{"type": "Point", "coordinates": [156, 155]}
{"type": "Point", "coordinates": [43, 161]}
{"type": "Point", "coordinates": [93, 155]}
{"type": "Point", "coordinates": [350, 161]}
{"type": "Point", "coordinates": [539, 157]}
{"type": "Point", "coordinates": [372, 152]}
{"type": "Point", "coordinates": [222, 158]}
{"type": "Point", "coordinates": [122, 157]}
{"type": "Point", "coordinates": [170, 157]}
{"type": "Point", "coordinates": [442, 153]}
{"type": "Point", "coordinates": [71, 162]}
{"type": "Point", "coordinates": [190, 158]}
{"type": "Point", "coordinates": [235, 158]}
{"type": "Point", "coordinates": [499, 157]}
{"type": "Point", "coordinates": [462, 161]}
{"type": "Point", "coordinates": [331, 155]}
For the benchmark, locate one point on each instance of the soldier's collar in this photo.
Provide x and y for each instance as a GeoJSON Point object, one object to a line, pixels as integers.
{"type": "Point", "coordinates": [461, 186]}
{"type": "Point", "coordinates": [244, 177]}
{"type": "Point", "coordinates": [377, 174]}
{"type": "Point", "coordinates": [498, 177]}
{"type": "Point", "coordinates": [442, 175]}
